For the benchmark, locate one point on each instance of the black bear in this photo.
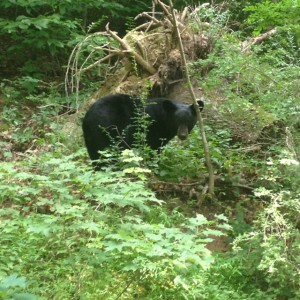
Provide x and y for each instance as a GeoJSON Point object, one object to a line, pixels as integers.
{"type": "Point", "coordinates": [112, 117]}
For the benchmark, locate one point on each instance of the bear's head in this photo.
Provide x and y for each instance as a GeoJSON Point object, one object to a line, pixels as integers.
{"type": "Point", "coordinates": [181, 118]}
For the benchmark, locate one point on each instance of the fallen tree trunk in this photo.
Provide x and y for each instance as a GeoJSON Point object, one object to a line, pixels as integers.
{"type": "Point", "coordinates": [246, 45]}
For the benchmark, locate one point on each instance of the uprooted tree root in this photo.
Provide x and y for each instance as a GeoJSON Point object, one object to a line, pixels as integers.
{"type": "Point", "coordinates": [146, 56]}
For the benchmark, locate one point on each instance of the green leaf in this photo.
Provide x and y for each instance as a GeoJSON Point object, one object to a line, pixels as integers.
{"type": "Point", "coordinates": [112, 246]}
{"type": "Point", "coordinates": [198, 220]}
{"type": "Point", "coordinates": [25, 296]}
{"type": "Point", "coordinates": [41, 23]}
{"type": "Point", "coordinates": [13, 281]}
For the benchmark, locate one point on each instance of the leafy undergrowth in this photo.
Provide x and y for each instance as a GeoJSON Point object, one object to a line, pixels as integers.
{"type": "Point", "coordinates": [73, 234]}
{"type": "Point", "coordinates": [68, 232]}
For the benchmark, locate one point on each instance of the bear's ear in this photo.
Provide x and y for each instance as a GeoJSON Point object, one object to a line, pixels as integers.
{"type": "Point", "coordinates": [169, 106]}
{"type": "Point", "coordinates": [200, 104]}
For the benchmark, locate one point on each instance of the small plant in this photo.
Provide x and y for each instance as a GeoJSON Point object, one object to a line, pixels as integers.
{"type": "Point", "coordinates": [274, 240]}
{"type": "Point", "coordinates": [11, 287]}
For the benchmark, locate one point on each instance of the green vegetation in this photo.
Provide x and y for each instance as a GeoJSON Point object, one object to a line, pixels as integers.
{"type": "Point", "coordinates": [143, 231]}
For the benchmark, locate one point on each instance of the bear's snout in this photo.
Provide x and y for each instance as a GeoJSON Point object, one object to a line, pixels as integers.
{"type": "Point", "coordinates": [182, 132]}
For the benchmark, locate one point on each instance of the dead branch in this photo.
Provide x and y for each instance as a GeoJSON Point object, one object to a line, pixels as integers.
{"type": "Point", "coordinates": [184, 14]}
{"type": "Point", "coordinates": [73, 73]}
{"type": "Point", "coordinates": [147, 15]}
{"type": "Point", "coordinates": [257, 40]}
{"type": "Point", "coordinates": [165, 8]}
{"type": "Point", "coordinates": [139, 59]}
{"type": "Point", "coordinates": [98, 62]}
{"type": "Point", "coordinates": [169, 14]}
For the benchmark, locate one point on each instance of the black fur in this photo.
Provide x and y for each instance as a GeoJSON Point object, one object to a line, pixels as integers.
{"type": "Point", "coordinates": [109, 116]}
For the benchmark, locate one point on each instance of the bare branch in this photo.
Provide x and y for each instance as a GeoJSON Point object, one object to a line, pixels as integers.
{"type": "Point", "coordinates": [101, 60]}
{"type": "Point", "coordinates": [184, 14]}
{"type": "Point", "coordinates": [166, 9]}
{"type": "Point", "coordinates": [139, 59]}
{"type": "Point", "coordinates": [145, 14]}
{"type": "Point", "coordinates": [257, 40]}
